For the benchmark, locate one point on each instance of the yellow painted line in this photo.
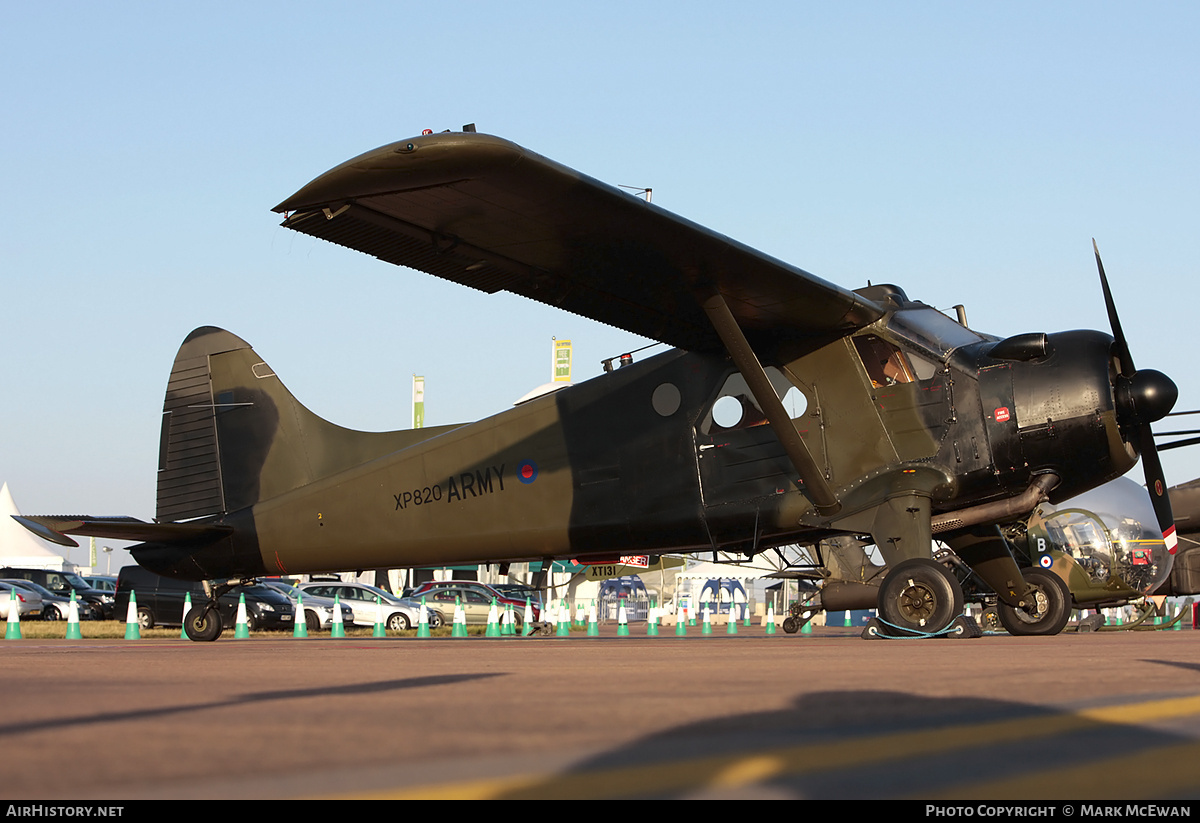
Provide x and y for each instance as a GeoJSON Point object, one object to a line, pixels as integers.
{"type": "Point", "coordinates": [1165, 771]}
{"type": "Point", "coordinates": [729, 771]}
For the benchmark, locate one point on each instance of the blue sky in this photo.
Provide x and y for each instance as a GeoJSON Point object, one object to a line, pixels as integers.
{"type": "Point", "coordinates": [965, 151]}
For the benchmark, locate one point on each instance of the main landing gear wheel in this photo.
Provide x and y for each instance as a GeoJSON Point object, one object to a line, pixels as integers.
{"type": "Point", "coordinates": [202, 625]}
{"type": "Point", "coordinates": [791, 625]}
{"type": "Point", "coordinates": [1048, 610]}
{"type": "Point", "coordinates": [919, 596]}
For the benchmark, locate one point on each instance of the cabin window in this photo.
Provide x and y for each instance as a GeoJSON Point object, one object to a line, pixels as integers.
{"type": "Point", "coordinates": [886, 365]}
{"type": "Point", "coordinates": [736, 408]}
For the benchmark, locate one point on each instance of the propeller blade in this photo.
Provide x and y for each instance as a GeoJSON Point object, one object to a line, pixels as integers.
{"type": "Point", "coordinates": [1123, 356]}
{"type": "Point", "coordinates": [1156, 484]}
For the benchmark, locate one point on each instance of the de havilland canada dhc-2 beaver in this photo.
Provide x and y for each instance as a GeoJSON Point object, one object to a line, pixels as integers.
{"type": "Point", "coordinates": [906, 425]}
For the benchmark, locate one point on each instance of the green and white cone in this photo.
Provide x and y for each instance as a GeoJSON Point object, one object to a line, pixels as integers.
{"type": "Point", "coordinates": [528, 619]}
{"type": "Point", "coordinates": [379, 630]}
{"type": "Point", "coordinates": [769, 620]}
{"type": "Point", "coordinates": [622, 621]}
{"type": "Point", "coordinates": [423, 620]}
{"type": "Point", "coordinates": [13, 630]}
{"type": "Point", "coordinates": [299, 624]}
{"type": "Point", "coordinates": [133, 629]}
{"type": "Point", "coordinates": [652, 621]}
{"type": "Point", "coordinates": [460, 620]}
{"type": "Point", "coordinates": [564, 620]}
{"type": "Point", "coordinates": [337, 627]}
{"type": "Point", "coordinates": [493, 624]}
{"type": "Point", "coordinates": [707, 620]}
{"type": "Point", "coordinates": [593, 629]}
{"type": "Point", "coordinates": [681, 621]}
{"type": "Point", "coordinates": [73, 632]}
{"type": "Point", "coordinates": [731, 626]}
{"type": "Point", "coordinates": [187, 607]}
{"type": "Point", "coordinates": [243, 625]}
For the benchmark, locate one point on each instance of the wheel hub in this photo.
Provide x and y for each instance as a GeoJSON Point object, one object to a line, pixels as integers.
{"type": "Point", "coordinates": [917, 602]}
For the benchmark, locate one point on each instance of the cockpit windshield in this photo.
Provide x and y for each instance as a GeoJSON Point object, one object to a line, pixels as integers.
{"type": "Point", "coordinates": [929, 329]}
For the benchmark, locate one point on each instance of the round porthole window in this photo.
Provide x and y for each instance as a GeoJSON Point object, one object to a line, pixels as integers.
{"type": "Point", "coordinates": [666, 399]}
{"type": "Point", "coordinates": [727, 411]}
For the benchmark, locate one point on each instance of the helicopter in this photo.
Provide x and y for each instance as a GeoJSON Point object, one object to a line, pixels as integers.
{"type": "Point", "coordinates": [907, 425]}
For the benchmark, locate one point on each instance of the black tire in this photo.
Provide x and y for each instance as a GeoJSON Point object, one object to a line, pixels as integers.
{"type": "Point", "coordinates": [202, 626]}
{"type": "Point", "coordinates": [52, 612]}
{"type": "Point", "coordinates": [1048, 613]}
{"type": "Point", "coordinates": [791, 625]}
{"type": "Point", "coordinates": [989, 621]}
{"type": "Point", "coordinates": [145, 618]}
{"type": "Point", "coordinates": [251, 621]}
{"type": "Point", "coordinates": [398, 623]}
{"type": "Point", "coordinates": [919, 596]}
{"type": "Point", "coordinates": [435, 619]}
{"type": "Point", "coordinates": [311, 621]}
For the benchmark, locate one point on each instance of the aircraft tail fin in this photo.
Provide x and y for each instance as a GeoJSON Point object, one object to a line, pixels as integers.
{"type": "Point", "coordinates": [232, 434]}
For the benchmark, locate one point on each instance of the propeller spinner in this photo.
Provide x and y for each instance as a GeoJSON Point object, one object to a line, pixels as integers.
{"type": "Point", "coordinates": [1143, 397]}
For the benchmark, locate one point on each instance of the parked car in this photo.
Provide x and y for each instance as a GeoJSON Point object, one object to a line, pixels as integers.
{"type": "Point", "coordinates": [517, 602]}
{"type": "Point", "coordinates": [102, 582]}
{"type": "Point", "coordinates": [29, 604]}
{"type": "Point", "coordinates": [400, 614]}
{"type": "Point", "coordinates": [475, 602]}
{"type": "Point", "coordinates": [64, 583]}
{"type": "Point", "coordinates": [160, 601]}
{"type": "Point", "coordinates": [54, 606]}
{"type": "Point", "coordinates": [318, 611]}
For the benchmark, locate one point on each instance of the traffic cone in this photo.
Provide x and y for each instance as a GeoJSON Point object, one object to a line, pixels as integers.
{"type": "Point", "coordinates": [423, 620]}
{"type": "Point", "coordinates": [622, 621]}
{"type": "Point", "coordinates": [593, 629]}
{"type": "Point", "coordinates": [528, 622]}
{"type": "Point", "coordinates": [73, 632]}
{"type": "Point", "coordinates": [564, 623]}
{"type": "Point", "coordinates": [691, 616]}
{"type": "Point", "coordinates": [745, 607]}
{"type": "Point", "coordinates": [133, 629]}
{"type": "Point", "coordinates": [337, 627]}
{"type": "Point", "coordinates": [187, 607]}
{"type": "Point", "coordinates": [652, 621]}
{"type": "Point", "coordinates": [847, 624]}
{"type": "Point", "coordinates": [731, 626]}
{"type": "Point", "coordinates": [460, 620]}
{"type": "Point", "coordinates": [507, 621]}
{"type": "Point", "coordinates": [299, 624]}
{"type": "Point", "coordinates": [769, 620]}
{"type": "Point", "coordinates": [493, 624]}
{"type": "Point", "coordinates": [243, 625]}
{"type": "Point", "coordinates": [580, 614]}
{"type": "Point", "coordinates": [379, 630]}
{"type": "Point", "coordinates": [707, 620]}
{"type": "Point", "coordinates": [681, 622]}
{"type": "Point", "coordinates": [807, 627]}
{"type": "Point", "coordinates": [13, 631]}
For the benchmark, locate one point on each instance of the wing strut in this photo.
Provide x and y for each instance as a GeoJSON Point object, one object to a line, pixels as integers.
{"type": "Point", "coordinates": [760, 386]}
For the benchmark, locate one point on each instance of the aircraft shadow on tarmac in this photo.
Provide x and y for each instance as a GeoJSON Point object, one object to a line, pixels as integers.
{"type": "Point", "coordinates": [348, 690]}
{"type": "Point", "coordinates": [888, 744]}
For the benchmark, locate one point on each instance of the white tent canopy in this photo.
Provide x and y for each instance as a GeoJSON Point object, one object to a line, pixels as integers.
{"type": "Point", "coordinates": [20, 547]}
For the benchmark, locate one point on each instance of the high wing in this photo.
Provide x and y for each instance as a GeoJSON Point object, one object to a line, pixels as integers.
{"type": "Point", "coordinates": [487, 213]}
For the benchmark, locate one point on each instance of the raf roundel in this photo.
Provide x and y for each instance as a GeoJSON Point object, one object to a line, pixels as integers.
{"type": "Point", "coordinates": [1045, 561]}
{"type": "Point", "coordinates": [527, 471]}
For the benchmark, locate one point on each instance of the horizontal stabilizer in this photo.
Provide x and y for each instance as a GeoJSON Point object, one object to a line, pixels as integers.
{"type": "Point", "coordinates": [55, 528]}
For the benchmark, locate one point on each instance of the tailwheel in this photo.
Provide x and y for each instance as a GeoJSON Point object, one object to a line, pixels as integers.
{"type": "Point", "coordinates": [1047, 608]}
{"type": "Point", "coordinates": [203, 623]}
{"type": "Point", "coordinates": [919, 596]}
